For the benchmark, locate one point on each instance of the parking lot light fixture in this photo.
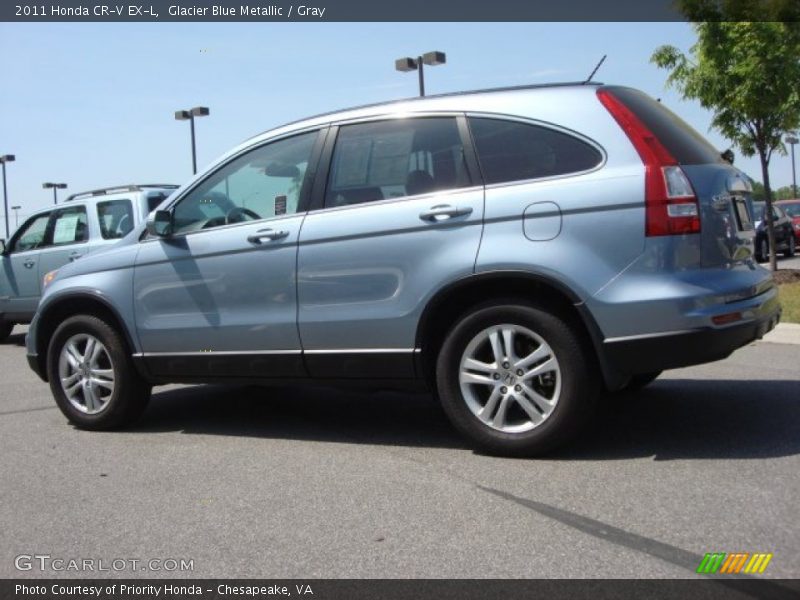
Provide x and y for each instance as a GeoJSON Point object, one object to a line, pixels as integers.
{"type": "Point", "coordinates": [431, 59]}
{"type": "Point", "coordinates": [3, 160]}
{"type": "Point", "coordinates": [16, 215]}
{"type": "Point", "coordinates": [189, 115]}
{"type": "Point", "coordinates": [55, 187]}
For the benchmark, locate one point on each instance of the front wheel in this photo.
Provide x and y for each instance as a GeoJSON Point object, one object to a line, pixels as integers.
{"type": "Point", "coordinates": [92, 376]}
{"type": "Point", "coordinates": [516, 380]}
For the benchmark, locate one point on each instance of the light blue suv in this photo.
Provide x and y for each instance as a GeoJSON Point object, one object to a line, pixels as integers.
{"type": "Point", "coordinates": [517, 251]}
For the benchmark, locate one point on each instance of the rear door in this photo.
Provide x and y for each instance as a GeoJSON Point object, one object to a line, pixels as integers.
{"type": "Point", "coordinates": [68, 237]}
{"type": "Point", "coordinates": [398, 218]}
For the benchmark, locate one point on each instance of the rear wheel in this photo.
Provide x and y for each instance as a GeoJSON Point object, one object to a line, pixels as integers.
{"type": "Point", "coordinates": [5, 329]}
{"type": "Point", "coordinates": [516, 380]}
{"type": "Point", "coordinates": [762, 250]}
{"type": "Point", "coordinates": [92, 376]}
{"type": "Point", "coordinates": [790, 248]}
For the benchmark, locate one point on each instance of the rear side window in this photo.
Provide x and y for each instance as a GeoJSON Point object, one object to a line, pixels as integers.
{"type": "Point", "coordinates": [70, 226]}
{"type": "Point", "coordinates": [514, 151]}
{"type": "Point", "coordinates": [115, 217]}
{"type": "Point", "coordinates": [393, 159]}
{"type": "Point", "coordinates": [680, 139]}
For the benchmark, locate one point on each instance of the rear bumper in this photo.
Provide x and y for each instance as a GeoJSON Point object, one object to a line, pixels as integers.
{"type": "Point", "coordinates": [672, 350]}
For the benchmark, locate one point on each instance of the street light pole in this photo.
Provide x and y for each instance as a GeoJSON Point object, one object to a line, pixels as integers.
{"type": "Point", "coordinates": [55, 186]}
{"type": "Point", "coordinates": [417, 64]}
{"type": "Point", "coordinates": [792, 141]}
{"type": "Point", "coordinates": [189, 115]}
{"type": "Point", "coordinates": [16, 215]}
{"type": "Point", "coordinates": [3, 160]}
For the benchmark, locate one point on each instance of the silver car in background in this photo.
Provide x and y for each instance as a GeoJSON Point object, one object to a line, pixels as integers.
{"type": "Point", "coordinates": [54, 236]}
{"type": "Point", "coordinates": [517, 251]}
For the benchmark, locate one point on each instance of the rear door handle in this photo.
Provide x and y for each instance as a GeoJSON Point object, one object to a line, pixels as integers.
{"type": "Point", "coordinates": [74, 255]}
{"type": "Point", "coordinates": [266, 234]}
{"type": "Point", "coordinates": [442, 212]}
{"type": "Point", "coordinates": [29, 264]}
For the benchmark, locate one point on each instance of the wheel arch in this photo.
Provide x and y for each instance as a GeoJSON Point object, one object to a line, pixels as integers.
{"type": "Point", "coordinates": [65, 307]}
{"type": "Point", "coordinates": [450, 303]}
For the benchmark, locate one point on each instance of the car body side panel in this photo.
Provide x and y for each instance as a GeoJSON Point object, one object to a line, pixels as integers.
{"type": "Point", "coordinates": [602, 220]}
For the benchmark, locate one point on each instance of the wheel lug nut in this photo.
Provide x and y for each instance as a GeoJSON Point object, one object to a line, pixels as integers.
{"type": "Point", "coordinates": [520, 372]}
{"type": "Point", "coordinates": [517, 388]}
{"type": "Point", "coordinates": [496, 375]}
{"type": "Point", "coordinates": [505, 365]}
{"type": "Point", "coordinates": [503, 390]}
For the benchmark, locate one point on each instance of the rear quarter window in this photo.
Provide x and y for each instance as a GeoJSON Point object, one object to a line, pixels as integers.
{"type": "Point", "coordinates": [115, 217]}
{"type": "Point", "coordinates": [685, 144]}
{"type": "Point", "coordinates": [515, 151]}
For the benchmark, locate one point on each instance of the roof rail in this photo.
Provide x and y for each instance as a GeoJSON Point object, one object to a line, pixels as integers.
{"type": "Point", "coordinates": [131, 187]}
{"type": "Point", "coordinates": [512, 88]}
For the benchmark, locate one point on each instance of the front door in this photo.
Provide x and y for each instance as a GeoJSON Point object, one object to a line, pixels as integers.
{"type": "Point", "coordinates": [217, 298]}
{"type": "Point", "coordinates": [20, 280]}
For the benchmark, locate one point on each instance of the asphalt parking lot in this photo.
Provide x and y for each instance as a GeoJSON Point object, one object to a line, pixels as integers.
{"type": "Point", "coordinates": [292, 482]}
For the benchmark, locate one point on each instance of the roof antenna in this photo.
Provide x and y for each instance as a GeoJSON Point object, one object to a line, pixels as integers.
{"type": "Point", "coordinates": [595, 69]}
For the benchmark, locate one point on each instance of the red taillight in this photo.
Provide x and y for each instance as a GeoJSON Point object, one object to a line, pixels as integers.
{"type": "Point", "coordinates": [671, 205]}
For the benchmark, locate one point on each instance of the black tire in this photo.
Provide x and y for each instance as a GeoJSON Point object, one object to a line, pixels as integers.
{"type": "Point", "coordinates": [5, 329]}
{"type": "Point", "coordinates": [790, 247]}
{"type": "Point", "coordinates": [580, 381]}
{"type": "Point", "coordinates": [130, 393]}
{"type": "Point", "coordinates": [762, 250]}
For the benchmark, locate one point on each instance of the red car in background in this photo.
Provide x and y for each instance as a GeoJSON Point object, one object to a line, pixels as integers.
{"type": "Point", "coordinates": [792, 209]}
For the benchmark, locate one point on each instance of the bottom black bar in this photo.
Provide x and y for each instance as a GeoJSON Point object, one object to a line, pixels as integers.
{"type": "Point", "coordinates": [731, 588]}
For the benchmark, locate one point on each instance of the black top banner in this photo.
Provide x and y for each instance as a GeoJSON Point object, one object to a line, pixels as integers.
{"type": "Point", "coordinates": [340, 10]}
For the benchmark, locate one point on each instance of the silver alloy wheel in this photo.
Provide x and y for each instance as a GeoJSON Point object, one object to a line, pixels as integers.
{"type": "Point", "coordinates": [86, 373]}
{"type": "Point", "coordinates": [510, 378]}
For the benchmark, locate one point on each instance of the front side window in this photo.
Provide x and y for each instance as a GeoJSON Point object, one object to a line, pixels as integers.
{"type": "Point", "coordinates": [392, 159]}
{"type": "Point", "coordinates": [263, 183]}
{"type": "Point", "coordinates": [32, 234]}
{"type": "Point", "coordinates": [115, 217]}
{"type": "Point", "coordinates": [514, 151]}
{"type": "Point", "coordinates": [70, 226]}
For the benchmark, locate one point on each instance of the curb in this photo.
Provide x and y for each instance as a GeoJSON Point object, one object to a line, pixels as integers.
{"type": "Point", "coordinates": [784, 333]}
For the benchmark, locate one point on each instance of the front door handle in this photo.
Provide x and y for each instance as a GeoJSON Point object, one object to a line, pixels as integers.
{"type": "Point", "coordinates": [266, 234]}
{"type": "Point", "coordinates": [29, 264]}
{"type": "Point", "coordinates": [74, 255]}
{"type": "Point", "coordinates": [442, 212]}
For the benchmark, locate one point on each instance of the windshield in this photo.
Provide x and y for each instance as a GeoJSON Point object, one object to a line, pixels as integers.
{"type": "Point", "coordinates": [793, 209]}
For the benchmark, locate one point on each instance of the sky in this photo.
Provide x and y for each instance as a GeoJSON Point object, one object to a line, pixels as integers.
{"type": "Point", "coordinates": [92, 104]}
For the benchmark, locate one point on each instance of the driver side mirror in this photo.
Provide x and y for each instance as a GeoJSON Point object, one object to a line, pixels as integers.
{"type": "Point", "coordinates": [159, 223]}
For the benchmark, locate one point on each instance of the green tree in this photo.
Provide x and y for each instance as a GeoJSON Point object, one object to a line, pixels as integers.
{"type": "Point", "coordinates": [758, 190]}
{"type": "Point", "coordinates": [745, 68]}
